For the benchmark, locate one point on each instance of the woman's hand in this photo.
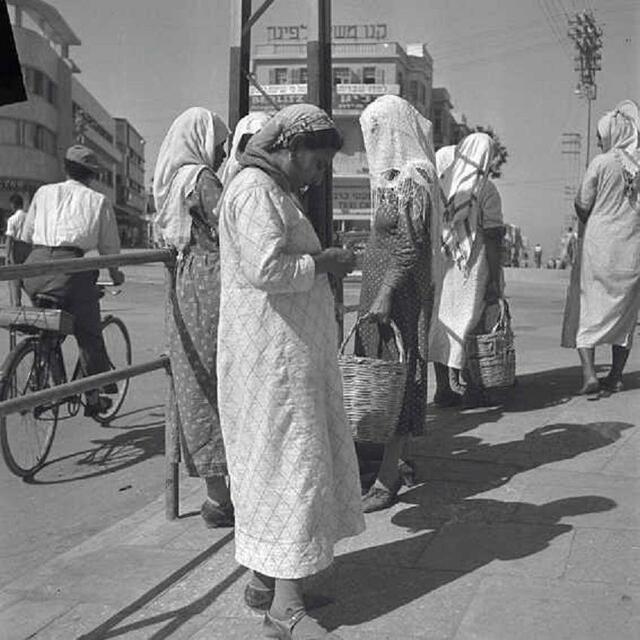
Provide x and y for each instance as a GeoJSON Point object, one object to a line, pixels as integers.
{"type": "Point", "coordinates": [338, 262]}
{"type": "Point", "coordinates": [380, 310]}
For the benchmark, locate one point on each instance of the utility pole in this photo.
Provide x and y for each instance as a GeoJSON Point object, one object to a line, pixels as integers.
{"type": "Point", "coordinates": [587, 37]}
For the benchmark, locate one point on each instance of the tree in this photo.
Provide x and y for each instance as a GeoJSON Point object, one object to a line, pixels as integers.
{"type": "Point", "coordinates": [500, 153]}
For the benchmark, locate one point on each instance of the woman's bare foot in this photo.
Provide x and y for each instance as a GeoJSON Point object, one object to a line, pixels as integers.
{"type": "Point", "coordinates": [590, 388]}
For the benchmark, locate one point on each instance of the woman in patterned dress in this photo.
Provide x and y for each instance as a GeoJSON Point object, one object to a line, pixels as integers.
{"type": "Point", "coordinates": [186, 192]}
{"type": "Point", "coordinates": [292, 462]}
{"type": "Point", "coordinates": [396, 271]}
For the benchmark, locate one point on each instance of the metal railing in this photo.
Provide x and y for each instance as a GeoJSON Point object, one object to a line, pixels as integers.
{"type": "Point", "coordinates": [61, 391]}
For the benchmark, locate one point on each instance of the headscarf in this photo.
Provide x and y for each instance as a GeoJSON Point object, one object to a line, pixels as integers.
{"type": "Point", "coordinates": [462, 182]}
{"type": "Point", "coordinates": [444, 158]}
{"type": "Point", "coordinates": [187, 149]}
{"type": "Point", "coordinates": [249, 124]}
{"type": "Point", "coordinates": [398, 142]}
{"type": "Point", "coordinates": [278, 133]}
{"type": "Point", "coordinates": [619, 132]}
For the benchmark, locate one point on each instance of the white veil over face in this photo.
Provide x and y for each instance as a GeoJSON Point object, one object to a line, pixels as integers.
{"type": "Point", "coordinates": [398, 142]}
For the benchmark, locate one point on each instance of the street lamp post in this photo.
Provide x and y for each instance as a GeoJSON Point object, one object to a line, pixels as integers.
{"type": "Point", "coordinates": [587, 36]}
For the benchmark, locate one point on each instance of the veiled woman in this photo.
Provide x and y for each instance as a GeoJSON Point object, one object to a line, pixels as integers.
{"type": "Point", "coordinates": [608, 202]}
{"type": "Point", "coordinates": [396, 270]}
{"type": "Point", "coordinates": [472, 230]}
{"type": "Point", "coordinates": [292, 462]}
{"type": "Point", "coordinates": [186, 192]}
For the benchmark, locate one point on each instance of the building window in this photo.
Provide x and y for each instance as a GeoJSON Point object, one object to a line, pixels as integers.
{"type": "Point", "coordinates": [52, 93]}
{"type": "Point", "coordinates": [40, 84]}
{"type": "Point", "coordinates": [369, 75]}
{"type": "Point", "coordinates": [400, 81]}
{"type": "Point", "coordinates": [280, 75]}
{"type": "Point", "coordinates": [422, 93]}
{"type": "Point", "coordinates": [29, 135]}
{"type": "Point", "coordinates": [413, 91]}
{"type": "Point", "coordinates": [342, 75]}
{"type": "Point", "coordinates": [9, 131]}
{"type": "Point", "coordinates": [303, 75]}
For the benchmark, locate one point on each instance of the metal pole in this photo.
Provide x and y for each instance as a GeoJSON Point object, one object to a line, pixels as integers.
{"type": "Point", "coordinates": [239, 61]}
{"type": "Point", "coordinates": [319, 91]}
{"type": "Point", "coordinates": [589, 101]}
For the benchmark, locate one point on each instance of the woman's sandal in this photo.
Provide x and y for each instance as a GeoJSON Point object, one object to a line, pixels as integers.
{"type": "Point", "coordinates": [379, 498]}
{"type": "Point", "coordinates": [611, 385]}
{"type": "Point", "coordinates": [283, 629]}
{"type": "Point", "coordinates": [257, 597]}
{"type": "Point", "coordinates": [215, 516]}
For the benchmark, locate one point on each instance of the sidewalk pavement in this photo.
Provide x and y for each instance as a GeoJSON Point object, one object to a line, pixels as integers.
{"type": "Point", "coordinates": [526, 525]}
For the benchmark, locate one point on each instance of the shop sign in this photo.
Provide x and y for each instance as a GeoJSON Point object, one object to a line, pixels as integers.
{"type": "Point", "coordinates": [351, 200]}
{"type": "Point", "coordinates": [346, 96]}
{"type": "Point", "coordinates": [298, 32]}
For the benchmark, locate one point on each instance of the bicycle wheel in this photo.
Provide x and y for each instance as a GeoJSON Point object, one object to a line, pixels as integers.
{"type": "Point", "coordinates": [118, 345]}
{"type": "Point", "coordinates": [26, 436]}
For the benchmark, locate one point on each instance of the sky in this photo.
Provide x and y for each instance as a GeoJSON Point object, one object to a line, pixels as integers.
{"type": "Point", "coordinates": [508, 64]}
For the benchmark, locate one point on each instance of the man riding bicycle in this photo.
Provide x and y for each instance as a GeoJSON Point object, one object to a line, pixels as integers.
{"type": "Point", "coordinates": [65, 220]}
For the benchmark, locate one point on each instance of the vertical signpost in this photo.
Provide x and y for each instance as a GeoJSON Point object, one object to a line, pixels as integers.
{"type": "Point", "coordinates": [319, 91]}
{"type": "Point", "coordinates": [239, 61]}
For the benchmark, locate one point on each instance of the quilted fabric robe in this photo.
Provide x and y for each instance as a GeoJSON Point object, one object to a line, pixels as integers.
{"type": "Point", "coordinates": [291, 457]}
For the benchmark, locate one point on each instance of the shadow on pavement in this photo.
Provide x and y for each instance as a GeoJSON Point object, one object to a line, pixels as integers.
{"type": "Point", "coordinates": [109, 455]}
{"type": "Point", "coordinates": [114, 627]}
{"type": "Point", "coordinates": [461, 539]}
{"type": "Point", "coordinates": [464, 533]}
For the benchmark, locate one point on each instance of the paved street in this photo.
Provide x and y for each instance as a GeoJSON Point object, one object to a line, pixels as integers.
{"type": "Point", "coordinates": [534, 503]}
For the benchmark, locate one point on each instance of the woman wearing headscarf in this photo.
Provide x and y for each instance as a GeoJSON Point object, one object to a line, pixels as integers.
{"type": "Point", "coordinates": [472, 230]}
{"type": "Point", "coordinates": [608, 202]}
{"type": "Point", "coordinates": [292, 462]}
{"type": "Point", "coordinates": [396, 269]}
{"type": "Point", "coordinates": [186, 192]}
{"type": "Point", "coordinates": [247, 126]}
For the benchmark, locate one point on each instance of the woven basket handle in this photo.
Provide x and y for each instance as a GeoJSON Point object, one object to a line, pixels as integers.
{"type": "Point", "coordinates": [397, 338]}
{"type": "Point", "coordinates": [504, 320]}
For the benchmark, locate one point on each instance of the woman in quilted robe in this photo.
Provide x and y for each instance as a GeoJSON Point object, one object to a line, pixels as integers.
{"type": "Point", "coordinates": [292, 462]}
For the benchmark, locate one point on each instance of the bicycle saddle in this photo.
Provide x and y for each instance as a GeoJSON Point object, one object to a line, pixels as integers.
{"type": "Point", "coordinates": [46, 301]}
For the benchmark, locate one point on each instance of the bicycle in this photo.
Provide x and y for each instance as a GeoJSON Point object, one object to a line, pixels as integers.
{"type": "Point", "coordinates": [37, 362]}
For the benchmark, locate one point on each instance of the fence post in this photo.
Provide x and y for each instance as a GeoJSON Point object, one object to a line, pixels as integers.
{"type": "Point", "coordinates": [171, 435]}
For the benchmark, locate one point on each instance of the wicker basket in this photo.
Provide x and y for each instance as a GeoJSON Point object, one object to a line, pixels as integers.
{"type": "Point", "coordinates": [373, 391]}
{"type": "Point", "coordinates": [491, 357]}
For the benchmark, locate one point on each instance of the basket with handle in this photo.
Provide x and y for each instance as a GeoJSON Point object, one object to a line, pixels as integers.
{"type": "Point", "coordinates": [491, 357]}
{"type": "Point", "coordinates": [373, 390]}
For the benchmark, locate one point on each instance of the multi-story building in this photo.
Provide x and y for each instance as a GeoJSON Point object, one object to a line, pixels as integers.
{"type": "Point", "coordinates": [34, 135]}
{"type": "Point", "coordinates": [130, 202]}
{"type": "Point", "coordinates": [365, 65]}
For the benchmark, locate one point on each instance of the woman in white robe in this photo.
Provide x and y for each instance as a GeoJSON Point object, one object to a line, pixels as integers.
{"type": "Point", "coordinates": [291, 457]}
{"type": "Point", "coordinates": [608, 202]}
{"type": "Point", "coordinates": [471, 273]}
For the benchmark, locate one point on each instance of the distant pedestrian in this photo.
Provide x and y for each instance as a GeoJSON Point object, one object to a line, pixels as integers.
{"type": "Point", "coordinates": [292, 461]}
{"type": "Point", "coordinates": [186, 191]}
{"type": "Point", "coordinates": [537, 254]}
{"type": "Point", "coordinates": [397, 279]}
{"type": "Point", "coordinates": [17, 247]}
{"type": "Point", "coordinates": [472, 274]}
{"type": "Point", "coordinates": [608, 202]}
